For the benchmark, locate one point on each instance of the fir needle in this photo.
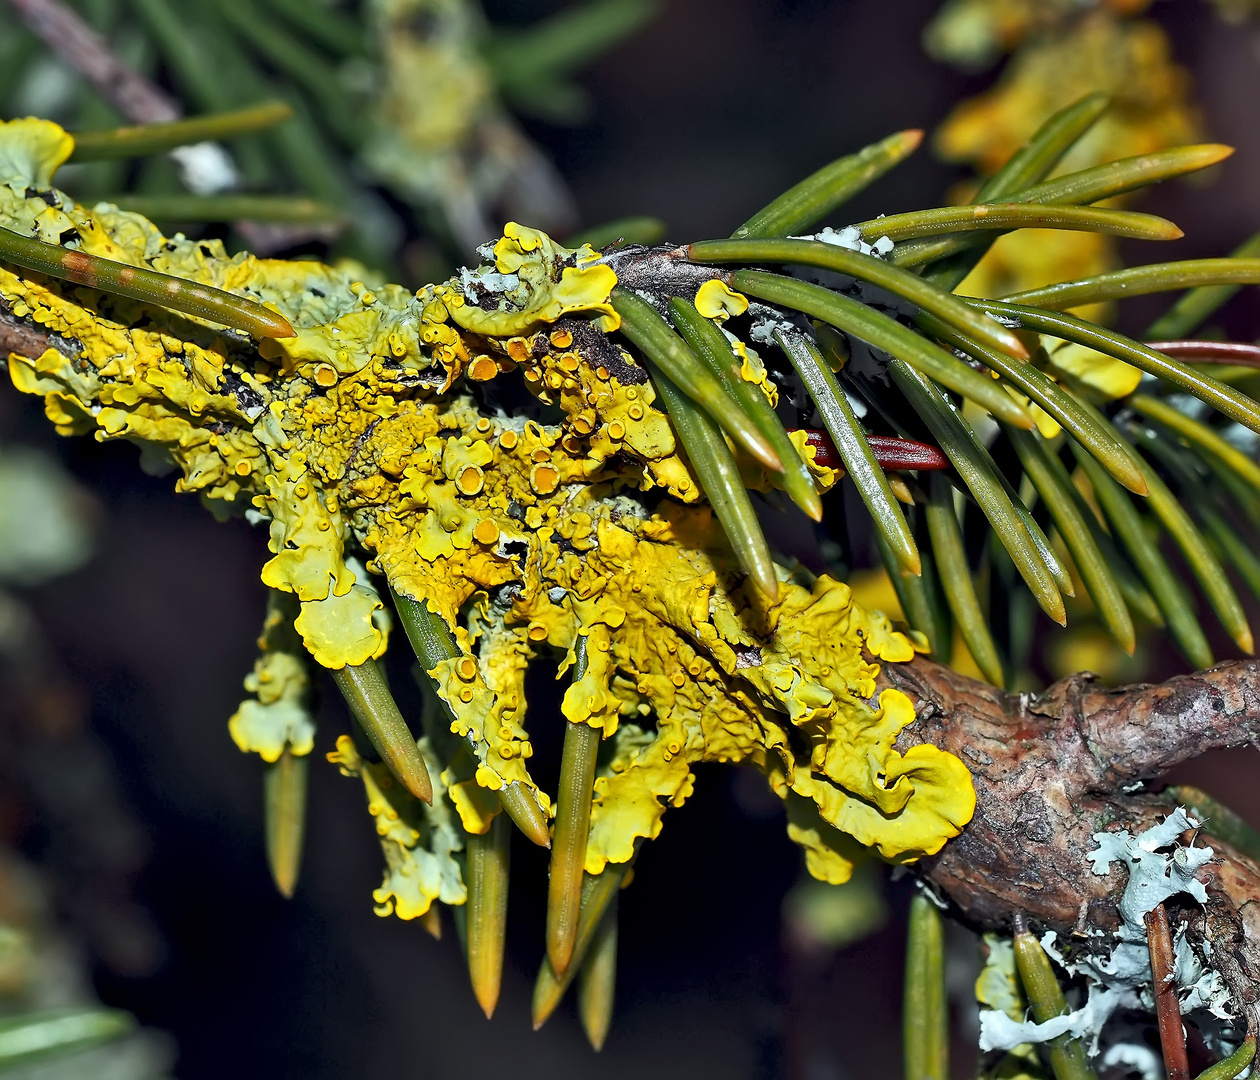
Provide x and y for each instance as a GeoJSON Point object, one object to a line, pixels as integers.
{"type": "Point", "coordinates": [1233, 1065]}
{"type": "Point", "coordinates": [432, 642]}
{"type": "Point", "coordinates": [974, 217]}
{"type": "Point", "coordinates": [818, 195]}
{"type": "Point", "coordinates": [373, 706]}
{"type": "Point", "coordinates": [709, 343]}
{"type": "Point", "coordinates": [1224, 399]}
{"type": "Point", "coordinates": [489, 862]}
{"type": "Point", "coordinates": [719, 477]}
{"type": "Point", "coordinates": [1100, 581]}
{"type": "Point", "coordinates": [142, 139]}
{"type": "Point", "coordinates": [851, 443]}
{"type": "Point", "coordinates": [148, 286]}
{"type": "Point", "coordinates": [284, 798]}
{"type": "Point", "coordinates": [572, 825]}
{"type": "Point", "coordinates": [1140, 281]}
{"type": "Point", "coordinates": [910, 286]}
{"type": "Point", "coordinates": [1174, 603]}
{"type": "Point", "coordinates": [1066, 1054]}
{"type": "Point", "coordinates": [597, 980]}
{"type": "Point", "coordinates": [642, 325]}
{"type": "Point", "coordinates": [957, 580]}
{"type": "Point", "coordinates": [598, 893]}
{"type": "Point", "coordinates": [925, 1012]}
{"type": "Point", "coordinates": [884, 332]}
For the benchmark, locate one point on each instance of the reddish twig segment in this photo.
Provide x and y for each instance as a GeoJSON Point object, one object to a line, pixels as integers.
{"type": "Point", "coordinates": [1172, 1035]}
{"type": "Point", "coordinates": [891, 453]}
{"type": "Point", "coordinates": [1210, 352]}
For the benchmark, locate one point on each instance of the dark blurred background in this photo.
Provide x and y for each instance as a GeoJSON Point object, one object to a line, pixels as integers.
{"type": "Point", "coordinates": [700, 119]}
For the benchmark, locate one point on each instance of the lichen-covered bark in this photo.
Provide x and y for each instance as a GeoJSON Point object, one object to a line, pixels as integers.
{"type": "Point", "coordinates": [379, 427]}
{"type": "Point", "coordinates": [1053, 769]}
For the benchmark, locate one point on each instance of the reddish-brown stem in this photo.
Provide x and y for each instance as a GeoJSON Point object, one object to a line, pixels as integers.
{"type": "Point", "coordinates": [1172, 1035]}
{"type": "Point", "coordinates": [1211, 352]}
{"type": "Point", "coordinates": [891, 453]}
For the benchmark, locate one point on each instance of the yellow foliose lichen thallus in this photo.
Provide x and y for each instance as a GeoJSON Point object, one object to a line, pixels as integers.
{"type": "Point", "coordinates": [504, 537]}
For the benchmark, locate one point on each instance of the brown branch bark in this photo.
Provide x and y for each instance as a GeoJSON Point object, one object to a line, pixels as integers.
{"type": "Point", "coordinates": [1051, 770]}
{"type": "Point", "coordinates": [28, 339]}
{"type": "Point", "coordinates": [64, 31]}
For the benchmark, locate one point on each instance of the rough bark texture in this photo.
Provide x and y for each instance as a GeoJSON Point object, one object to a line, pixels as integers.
{"type": "Point", "coordinates": [27, 339]}
{"type": "Point", "coordinates": [1053, 769]}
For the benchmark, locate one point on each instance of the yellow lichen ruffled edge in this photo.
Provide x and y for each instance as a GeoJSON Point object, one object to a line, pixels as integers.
{"type": "Point", "coordinates": [660, 597]}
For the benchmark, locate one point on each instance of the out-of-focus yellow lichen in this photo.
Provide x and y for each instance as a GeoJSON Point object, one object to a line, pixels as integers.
{"type": "Point", "coordinates": [1033, 258]}
{"type": "Point", "coordinates": [436, 133]}
{"type": "Point", "coordinates": [1128, 59]}
{"type": "Point", "coordinates": [371, 430]}
{"type": "Point", "coordinates": [1237, 11]}
{"type": "Point", "coordinates": [999, 988]}
{"type": "Point", "coordinates": [973, 33]}
{"type": "Point", "coordinates": [1063, 50]}
{"type": "Point", "coordinates": [1108, 377]}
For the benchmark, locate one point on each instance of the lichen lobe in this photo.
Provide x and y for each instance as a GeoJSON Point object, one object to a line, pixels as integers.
{"type": "Point", "coordinates": [371, 430]}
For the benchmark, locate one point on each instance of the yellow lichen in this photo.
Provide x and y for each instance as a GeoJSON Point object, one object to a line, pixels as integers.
{"type": "Point", "coordinates": [418, 841]}
{"type": "Point", "coordinates": [277, 715]}
{"type": "Point", "coordinates": [524, 537]}
{"type": "Point", "coordinates": [1080, 53]}
{"type": "Point", "coordinates": [716, 300]}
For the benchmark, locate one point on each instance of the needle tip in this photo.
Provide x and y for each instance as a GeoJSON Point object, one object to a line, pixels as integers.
{"type": "Point", "coordinates": [1022, 420]}
{"type": "Point", "coordinates": [487, 998]}
{"type": "Point", "coordinates": [767, 584]}
{"type": "Point", "coordinates": [543, 1010]}
{"type": "Point", "coordinates": [1014, 347]}
{"type": "Point", "coordinates": [811, 504]}
{"type": "Point", "coordinates": [280, 327]}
